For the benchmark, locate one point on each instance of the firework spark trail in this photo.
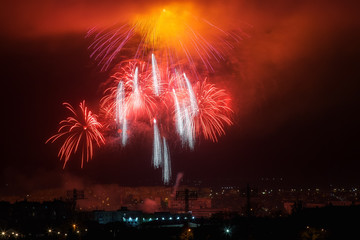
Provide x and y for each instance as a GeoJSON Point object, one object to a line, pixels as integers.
{"type": "Point", "coordinates": [193, 102]}
{"type": "Point", "coordinates": [178, 119]}
{"type": "Point", "coordinates": [184, 120]}
{"type": "Point", "coordinates": [188, 128]}
{"type": "Point", "coordinates": [157, 156]}
{"type": "Point", "coordinates": [121, 112]}
{"type": "Point", "coordinates": [124, 136]}
{"type": "Point", "coordinates": [136, 93]}
{"type": "Point", "coordinates": [156, 78]}
{"type": "Point", "coordinates": [167, 164]}
{"type": "Point", "coordinates": [120, 105]}
{"type": "Point", "coordinates": [108, 45]}
{"type": "Point", "coordinates": [81, 129]}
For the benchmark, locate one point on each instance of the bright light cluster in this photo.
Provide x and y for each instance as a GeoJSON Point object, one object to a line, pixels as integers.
{"type": "Point", "coordinates": [164, 100]}
{"type": "Point", "coordinates": [161, 86]}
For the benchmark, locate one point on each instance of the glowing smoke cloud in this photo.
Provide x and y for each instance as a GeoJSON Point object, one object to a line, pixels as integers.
{"type": "Point", "coordinates": [173, 31]}
{"type": "Point", "coordinates": [179, 176]}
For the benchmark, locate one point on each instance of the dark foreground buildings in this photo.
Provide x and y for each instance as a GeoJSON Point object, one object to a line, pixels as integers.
{"type": "Point", "coordinates": [61, 220]}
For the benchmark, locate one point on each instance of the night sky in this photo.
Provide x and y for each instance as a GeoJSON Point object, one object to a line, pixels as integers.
{"type": "Point", "coordinates": [294, 82]}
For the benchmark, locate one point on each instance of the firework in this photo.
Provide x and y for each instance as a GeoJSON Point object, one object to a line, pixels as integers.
{"type": "Point", "coordinates": [185, 106]}
{"type": "Point", "coordinates": [120, 112]}
{"type": "Point", "coordinates": [155, 89]}
{"type": "Point", "coordinates": [130, 94]}
{"type": "Point", "coordinates": [214, 111]}
{"type": "Point", "coordinates": [155, 75]}
{"type": "Point", "coordinates": [161, 154]}
{"type": "Point", "coordinates": [167, 163]}
{"type": "Point", "coordinates": [202, 109]}
{"type": "Point", "coordinates": [157, 156]}
{"type": "Point", "coordinates": [193, 103]}
{"type": "Point", "coordinates": [178, 120]}
{"type": "Point", "coordinates": [79, 130]}
{"type": "Point", "coordinates": [173, 32]}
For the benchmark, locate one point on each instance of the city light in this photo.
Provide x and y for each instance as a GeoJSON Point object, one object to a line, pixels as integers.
{"type": "Point", "coordinates": [227, 231]}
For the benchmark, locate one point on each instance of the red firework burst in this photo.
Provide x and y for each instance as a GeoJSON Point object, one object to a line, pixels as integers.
{"type": "Point", "coordinates": [79, 130]}
{"type": "Point", "coordinates": [213, 110]}
{"type": "Point", "coordinates": [138, 97]}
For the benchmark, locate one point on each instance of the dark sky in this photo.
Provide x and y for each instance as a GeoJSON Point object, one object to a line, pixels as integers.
{"type": "Point", "coordinates": [294, 83]}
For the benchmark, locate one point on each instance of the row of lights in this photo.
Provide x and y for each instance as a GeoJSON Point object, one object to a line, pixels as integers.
{"type": "Point", "coordinates": [156, 219]}
{"type": "Point", "coordinates": [65, 234]}
{"type": "Point", "coordinates": [3, 234]}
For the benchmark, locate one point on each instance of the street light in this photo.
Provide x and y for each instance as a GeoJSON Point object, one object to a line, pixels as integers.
{"type": "Point", "coordinates": [227, 231]}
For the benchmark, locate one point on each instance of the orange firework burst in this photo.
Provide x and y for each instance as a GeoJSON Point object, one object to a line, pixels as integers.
{"type": "Point", "coordinates": [173, 33]}
{"type": "Point", "coordinates": [82, 129]}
